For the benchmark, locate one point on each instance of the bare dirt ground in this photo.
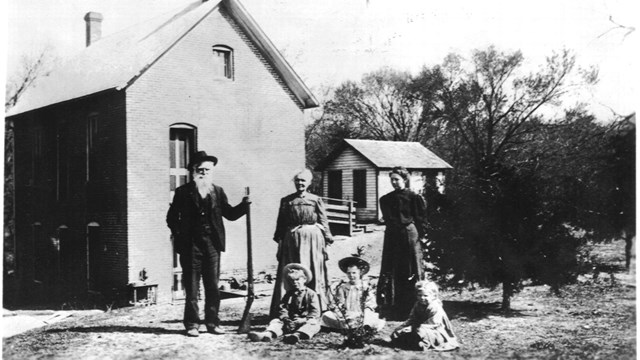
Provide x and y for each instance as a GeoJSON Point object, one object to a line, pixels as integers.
{"type": "Point", "coordinates": [593, 319]}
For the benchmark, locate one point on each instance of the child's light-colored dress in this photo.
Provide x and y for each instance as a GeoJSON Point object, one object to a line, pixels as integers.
{"type": "Point", "coordinates": [351, 296]}
{"type": "Point", "coordinates": [428, 327]}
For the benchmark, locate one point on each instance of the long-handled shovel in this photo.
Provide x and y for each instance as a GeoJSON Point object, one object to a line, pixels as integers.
{"type": "Point", "coordinates": [245, 323]}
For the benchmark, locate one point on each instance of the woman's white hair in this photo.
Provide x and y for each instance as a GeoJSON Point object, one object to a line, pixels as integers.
{"type": "Point", "coordinates": [303, 174]}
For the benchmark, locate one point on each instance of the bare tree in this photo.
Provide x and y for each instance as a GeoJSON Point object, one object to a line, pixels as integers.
{"type": "Point", "coordinates": [616, 26]}
{"type": "Point", "coordinates": [381, 106]}
{"type": "Point", "coordinates": [30, 68]}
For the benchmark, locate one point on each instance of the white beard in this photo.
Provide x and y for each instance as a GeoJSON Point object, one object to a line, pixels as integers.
{"type": "Point", "coordinates": [204, 184]}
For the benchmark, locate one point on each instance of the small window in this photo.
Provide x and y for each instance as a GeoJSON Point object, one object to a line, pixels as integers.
{"type": "Point", "coordinates": [222, 61]}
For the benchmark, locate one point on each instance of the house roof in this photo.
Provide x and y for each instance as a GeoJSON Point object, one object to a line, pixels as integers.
{"type": "Point", "coordinates": [388, 154]}
{"type": "Point", "coordinates": [116, 61]}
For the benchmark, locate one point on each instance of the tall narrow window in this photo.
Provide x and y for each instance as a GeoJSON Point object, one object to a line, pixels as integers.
{"type": "Point", "coordinates": [223, 61]}
{"type": "Point", "coordinates": [92, 135]}
{"type": "Point", "coordinates": [36, 151]}
{"type": "Point", "coordinates": [182, 143]}
{"type": "Point", "coordinates": [62, 160]}
{"type": "Point", "coordinates": [39, 253]}
{"type": "Point", "coordinates": [181, 146]}
{"type": "Point", "coordinates": [360, 188]}
{"type": "Point", "coordinates": [67, 258]}
{"type": "Point", "coordinates": [94, 256]}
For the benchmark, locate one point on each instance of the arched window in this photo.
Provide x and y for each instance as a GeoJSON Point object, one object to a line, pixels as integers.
{"type": "Point", "coordinates": [223, 61]}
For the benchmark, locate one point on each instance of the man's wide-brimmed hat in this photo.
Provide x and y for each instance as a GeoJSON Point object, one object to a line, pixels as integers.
{"type": "Point", "coordinates": [362, 264]}
{"type": "Point", "coordinates": [296, 266]}
{"type": "Point", "coordinates": [200, 157]}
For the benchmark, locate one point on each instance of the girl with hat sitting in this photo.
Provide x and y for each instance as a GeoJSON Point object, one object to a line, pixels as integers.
{"type": "Point", "coordinates": [299, 309]}
{"type": "Point", "coordinates": [354, 301]}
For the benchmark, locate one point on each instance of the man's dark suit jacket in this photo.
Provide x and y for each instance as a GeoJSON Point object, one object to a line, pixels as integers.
{"type": "Point", "coordinates": [183, 213]}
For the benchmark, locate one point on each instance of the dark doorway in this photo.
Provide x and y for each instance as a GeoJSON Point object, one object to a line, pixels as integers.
{"type": "Point", "coordinates": [360, 188]}
{"type": "Point", "coordinates": [334, 184]}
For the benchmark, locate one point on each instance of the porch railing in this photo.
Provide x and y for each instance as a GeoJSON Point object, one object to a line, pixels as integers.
{"type": "Point", "coordinates": [342, 215]}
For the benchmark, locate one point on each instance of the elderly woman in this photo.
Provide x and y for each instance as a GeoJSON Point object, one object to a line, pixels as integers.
{"type": "Point", "coordinates": [302, 232]}
{"type": "Point", "coordinates": [403, 212]}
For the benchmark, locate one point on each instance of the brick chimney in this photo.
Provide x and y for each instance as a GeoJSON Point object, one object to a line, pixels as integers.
{"type": "Point", "coordinates": [94, 26]}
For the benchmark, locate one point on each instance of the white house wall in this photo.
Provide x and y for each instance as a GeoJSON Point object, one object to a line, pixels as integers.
{"type": "Point", "coordinates": [251, 123]}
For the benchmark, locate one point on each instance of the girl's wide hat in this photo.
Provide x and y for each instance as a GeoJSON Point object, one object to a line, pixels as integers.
{"type": "Point", "coordinates": [362, 264]}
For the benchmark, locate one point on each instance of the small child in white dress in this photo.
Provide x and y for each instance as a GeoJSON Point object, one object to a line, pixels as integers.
{"type": "Point", "coordinates": [428, 326]}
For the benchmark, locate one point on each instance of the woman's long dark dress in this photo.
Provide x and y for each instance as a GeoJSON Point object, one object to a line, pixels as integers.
{"type": "Point", "coordinates": [403, 212]}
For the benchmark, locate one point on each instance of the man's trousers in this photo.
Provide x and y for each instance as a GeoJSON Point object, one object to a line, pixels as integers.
{"type": "Point", "coordinates": [199, 263]}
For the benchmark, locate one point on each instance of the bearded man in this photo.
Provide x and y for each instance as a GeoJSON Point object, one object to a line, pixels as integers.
{"type": "Point", "coordinates": [195, 220]}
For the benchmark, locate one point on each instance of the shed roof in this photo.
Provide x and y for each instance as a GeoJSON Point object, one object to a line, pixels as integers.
{"type": "Point", "coordinates": [116, 61]}
{"type": "Point", "coordinates": [388, 154]}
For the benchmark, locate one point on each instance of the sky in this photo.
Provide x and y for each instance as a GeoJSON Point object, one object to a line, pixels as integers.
{"type": "Point", "coordinates": [330, 41]}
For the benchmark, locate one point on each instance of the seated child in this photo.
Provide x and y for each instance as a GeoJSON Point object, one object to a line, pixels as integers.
{"type": "Point", "coordinates": [349, 296]}
{"type": "Point", "coordinates": [299, 309]}
{"type": "Point", "coordinates": [428, 326]}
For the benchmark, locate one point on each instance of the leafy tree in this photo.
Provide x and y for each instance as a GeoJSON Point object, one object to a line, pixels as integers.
{"type": "Point", "coordinates": [619, 185]}
{"type": "Point", "coordinates": [527, 219]}
{"type": "Point", "coordinates": [507, 213]}
{"type": "Point", "coordinates": [528, 180]}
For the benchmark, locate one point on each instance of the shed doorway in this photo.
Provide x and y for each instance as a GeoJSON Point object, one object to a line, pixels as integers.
{"type": "Point", "coordinates": [334, 186]}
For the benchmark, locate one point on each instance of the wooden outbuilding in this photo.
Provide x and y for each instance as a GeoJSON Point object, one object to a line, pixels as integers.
{"type": "Point", "coordinates": [358, 170]}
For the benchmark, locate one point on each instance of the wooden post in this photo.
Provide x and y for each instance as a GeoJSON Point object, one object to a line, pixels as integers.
{"type": "Point", "coordinates": [350, 219]}
{"type": "Point", "coordinates": [245, 323]}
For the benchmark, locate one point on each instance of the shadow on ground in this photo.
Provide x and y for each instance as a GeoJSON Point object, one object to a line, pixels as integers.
{"type": "Point", "coordinates": [476, 311]}
{"type": "Point", "coordinates": [257, 320]}
{"type": "Point", "coordinates": [118, 329]}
